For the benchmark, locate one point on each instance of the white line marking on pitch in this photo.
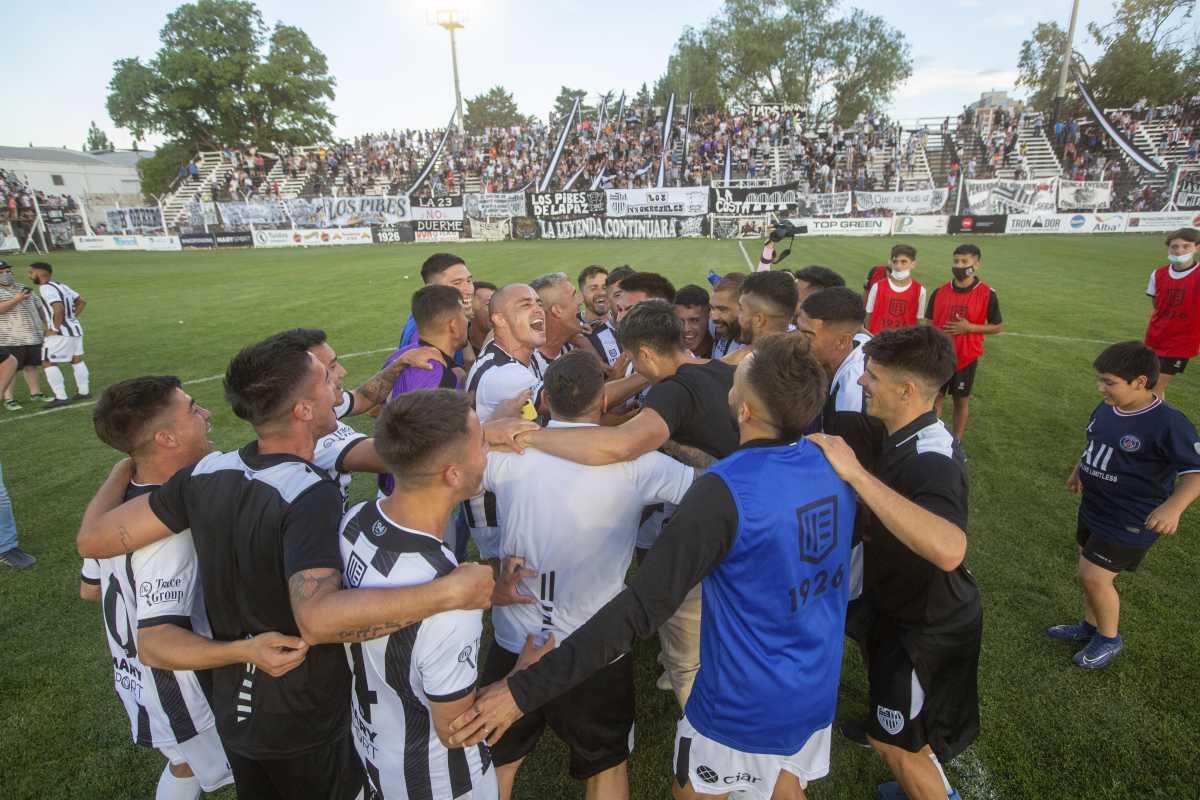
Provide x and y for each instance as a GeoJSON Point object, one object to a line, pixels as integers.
{"type": "Point", "coordinates": [1055, 338]}
{"type": "Point", "coordinates": [192, 382]}
{"type": "Point", "coordinates": [973, 777]}
{"type": "Point", "coordinates": [746, 256]}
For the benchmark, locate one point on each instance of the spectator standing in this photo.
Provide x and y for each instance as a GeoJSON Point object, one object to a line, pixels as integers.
{"type": "Point", "coordinates": [11, 555]}
{"type": "Point", "coordinates": [20, 335]}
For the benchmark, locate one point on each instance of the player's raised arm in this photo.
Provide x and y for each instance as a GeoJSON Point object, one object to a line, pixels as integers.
{"type": "Point", "coordinates": [110, 527]}
{"type": "Point", "coordinates": [374, 391]}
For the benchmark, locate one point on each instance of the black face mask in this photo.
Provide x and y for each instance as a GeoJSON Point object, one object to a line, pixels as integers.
{"type": "Point", "coordinates": [962, 273]}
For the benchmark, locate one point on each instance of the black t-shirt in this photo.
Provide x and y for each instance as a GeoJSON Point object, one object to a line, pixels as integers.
{"type": "Point", "coordinates": [694, 402]}
{"type": "Point", "coordinates": [922, 463]}
{"type": "Point", "coordinates": [257, 520]}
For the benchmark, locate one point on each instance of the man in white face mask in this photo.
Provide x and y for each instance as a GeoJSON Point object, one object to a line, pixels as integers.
{"type": "Point", "coordinates": [1174, 329]}
{"type": "Point", "coordinates": [21, 335]}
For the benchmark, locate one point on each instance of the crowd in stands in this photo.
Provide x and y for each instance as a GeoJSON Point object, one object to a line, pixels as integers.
{"type": "Point", "coordinates": [17, 199]}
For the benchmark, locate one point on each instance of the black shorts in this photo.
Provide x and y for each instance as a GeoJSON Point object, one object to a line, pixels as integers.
{"type": "Point", "coordinates": [923, 687]}
{"type": "Point", "coordinates": [330, 772]}
{"type": "Point", "coordinates": [1172, 366]}
{"type": "Point", "coordinates": [27, 355]}
{"type": "Point", "coordinates": [1106, 552]}
{"type": "Point", "coordinates": [860, 616]}
{"type": "Point", "coordinates": [595, 719]}
{"type": "Point", "coordinates": [961, 382]}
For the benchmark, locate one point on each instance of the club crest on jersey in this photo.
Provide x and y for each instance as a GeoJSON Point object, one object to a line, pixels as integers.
{"type": "Point", "coordinates": [355, 569]}
{"type": "Point", "coordinates": [378, 528]}
{"type": "Point", "coordinates": [1196, 447]}
{"type": "Point", "coordinates": [1130, 443]}
{"type": "Point", "coordinates": [818, 529]}
{"type": "Point", "coordinates": [467, 656]}
{"type": "Point", "coordinates": [707, 774]}
{"type": "Point", "coordinates": [891, 720]}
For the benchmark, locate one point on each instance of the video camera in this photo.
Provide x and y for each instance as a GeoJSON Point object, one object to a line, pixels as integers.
{"type": "Point", "coordinates": [784, 229]}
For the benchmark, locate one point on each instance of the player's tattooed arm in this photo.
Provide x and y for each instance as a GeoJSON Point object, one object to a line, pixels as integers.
{"type": "Point", "coordinates": [693, 457]}
{"type": "Point", "coordinates": [374, 392]}
{"type": "Point", "coordinates": [110, 527]}
{"type": "Point", "coordinates": [373, 631]}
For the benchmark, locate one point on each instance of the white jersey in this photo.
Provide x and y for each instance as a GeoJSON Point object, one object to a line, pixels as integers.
{"type": "Point", "coordinates": [544, 361]}
{"type": "Point", "coordinates": [154, 585]}
{"type": "Point", "coordinates": [397, 676]}
{"type": "Point", "coordinates": [845, 390]}
{"type": "Point", "coordinates": [53, 292]}
{"type": "Point", "coordinates": [331, 449]}
{"type": "Point", "coordinates": [576, 525]}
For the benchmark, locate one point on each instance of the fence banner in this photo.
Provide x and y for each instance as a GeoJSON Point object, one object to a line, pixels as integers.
{"type": "Point", "coordinates": [489, 230]}
{"type": "Point", "coordinates": [234, 239]}
{"type": "Point", "coordinates": [160, 243]}
{"type": "Point", "coordinates": [133, 220]}
{"type": "Point", "coordinates": [1187, 190]}
{"type": "Point", "coordinates": [494, 204]}
{"type": "Point", "coordinates": [307, 212]}
{"type": "Point", "coordinates": [921, 201]}
{"type": "Point", "coordinates": [9, 243]}
{"type": "Point", "coordinates": [564, 205]}
{"type": "Point", "coordinates": [739, 227]}
{"type": "Point", "coordinates": [920, 224]}
{"type": "Point", "coordinates": [669, 202]}
{"type": "Point", "coordinates": [1084, 194]}
{"type": "Point", "coordinates": [826, 205]}
{"type": "Point", "coordinates": [621, 228]}
{"type": "Point", "coordinates": [275, 238]}
{"type": "Point", "coordinates": [197, 214]}
{"type": "Point", "coordinates": [328, 237]}
{"type": "Point", "coordinates": [981, 223]}
{"type": "Point", "coordinates": [1160, 221]}
{"type": "Point", "coordinates": [197, 241]}
{"type": "Point", "coordinates": [1066, 223]}
{"type": "Point", "coordinates": [747, 202]}
{"type": "Point", "coordinates": [991, 197]}
{"type": "Point", "coordinates": [354, 212]}
{"type": "Point", "coordinates": [96, 243]}
{"type": "Point", "coordinates": [846, 226]}
{"type": "Point", "coordinates": [449, 207]}
{"type": "Point", "coordinates": [245, 214]}
{"type": "Point", "coordinates": [400, 233]}
{"type": "Point", "coordinates": [438, 230]}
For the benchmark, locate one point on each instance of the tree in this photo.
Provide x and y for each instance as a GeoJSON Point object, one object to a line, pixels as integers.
{"type": "Point", "coordinates": [1039, 66]}
{"type": "Point", "coordinates": [158, 171]}
{"type": "Point", "coordinates": [796, 51]}
{"type": "Point", "coordinates": [641, 100]}
{"type": "Point", "coordinates": [218, 79]}
{"type": "Point", "coordinates": [97, 140]}
{"type": "Point", "coordinates": [495, 108]}
{"type": "Point", "coordinates": [1146, 54]}
{"type": "Point", "coordinates": [566, 100]}
{"type": "Point", "coordinates": [694, 67]}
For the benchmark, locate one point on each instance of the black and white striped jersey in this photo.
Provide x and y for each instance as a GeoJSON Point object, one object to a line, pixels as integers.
{"type": "Point", "coordinates": [52, 292]}
{"type": "Point", "coordinates": [331, 449]}
{"type": "Point", "coordinates": [543, 361]}
{"type": "Point", "coordinates": [153, 585]}
{"type": "Point", "coordinates": [397, 676]}
{"type": "Point", "coordinates": [604, 339]}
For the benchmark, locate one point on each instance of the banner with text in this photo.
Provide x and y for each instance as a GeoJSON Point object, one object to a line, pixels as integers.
{"type": "Point", "coordinates": [846, 226]}
{"type": "Point", "coordinates": [1160, 221]}
{"type": "Point", "coordinates": [786, 197]}
{"type": "Point", "coordinates": [198, 214]}
{"type": "Point", "coordinates": [1084, 194]}
{"type": "Point", "coordinates": [1067, 223]}
{"type": "Point", "coordinates": [132, 220]}
{"type": "Point", "coordinates": [449, 207]}
{"type": "Point", "coordinates": [495, 204]}
{"type": "Point", "coordinates": [243, 215]}
{"type": "Point", "coordinates": [991, 197]}
{"type": "Point", "coordinates": [564, 205]}
{"type": "Point", "coordinates": [1187, 190]}
{"type": "Point", "coordinates": [920, 201]}
{"type": "Point", "coordinates": [622, 228]}
{"type": "Point", "coordinates": [354, 212]}
{"type": "Point", "coordinates": [920, 224]}
{"type": "Point", "coordinates": [668, 202]}
{"type": "Point", "coordinates": [978, 223]}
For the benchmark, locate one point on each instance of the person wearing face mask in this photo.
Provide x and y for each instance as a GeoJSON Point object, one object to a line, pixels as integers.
{"type": "Point", "coordinates": [967, 309]}
{"type": "Point", "coordinates": [899, 300]}
{"type": "Point", "coordinates": [21, 334]}
{"type": "Point", "coordinates": [1174, 329]}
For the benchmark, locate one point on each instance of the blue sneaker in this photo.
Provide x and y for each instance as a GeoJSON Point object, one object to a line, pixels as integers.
{"type": "Point", "coordinates": [1099, 652]}
{"type": "Point", "coordinates": [1072, 632]}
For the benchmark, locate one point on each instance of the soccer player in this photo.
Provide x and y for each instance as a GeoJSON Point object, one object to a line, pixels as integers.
{"type": "Point", "coordinates": [572, 576]}
{"type": "Point", "coordinates": [967, 309]}
{"type": "Point", "coordinates": [923, 642]}
{"type": "Point", "coordinates": [441, 326]}
{"type": "Point", "coordinates": [264, 522]}
{"type": "Point", "coordinates": [1139, 472]}
{"type": "Point", "coordinates": [766, 304]}
{"type": "Point", "coordinates": [153, 608]}
{"type": "Point", "coordinates": [1174, 289]}
{"type": "Point", "coordinates": [692, 308]}
{"type": "Point", "coordinates": [603, 336]}
{"type": "Point", "coordinates": [723, 314]}
{"type": "Point", "coordinates": [444, 269]}
{"type": "Point", "coordinates": [899, 300]}
{"type": "Point", "coordinates": [814, 278]}
{"type": "Point", "coordinates": [642, 286]}
{"type": "Point", "coordinates": [767, 532]}
{"type": "Point", "coordinates": [480, 323]}
{"type": "Point", "coordinates": [560, 301]}
{"type": "Point", "coordinates": [60, 306]}
{"type": "Point", "coordinates": [832, 319]}
{"type": "Point", "coordinates": [595, 298]}
{"type": "Point", "coordinates": [410, 683]}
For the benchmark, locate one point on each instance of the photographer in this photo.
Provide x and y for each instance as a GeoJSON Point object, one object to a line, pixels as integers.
{"type": "Point", "coordinates": [783, 229]}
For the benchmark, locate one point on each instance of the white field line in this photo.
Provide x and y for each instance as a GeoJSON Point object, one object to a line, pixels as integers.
{"type": "Point", "coordinates": [191, 382]}
{"type": "Point", "coordinates": [746, 256]}
{"type": "Point", "coordinates": [973, 783]}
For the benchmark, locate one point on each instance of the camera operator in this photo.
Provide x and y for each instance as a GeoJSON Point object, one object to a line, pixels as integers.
{"type": "Point", "coordinates": [783, 229]}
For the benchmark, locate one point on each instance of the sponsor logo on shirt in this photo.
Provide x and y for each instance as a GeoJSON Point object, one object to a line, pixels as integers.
{"type": "Point", "coordinates": [891, 720]}
{"type": "Point", "coordinates": [161, 590]}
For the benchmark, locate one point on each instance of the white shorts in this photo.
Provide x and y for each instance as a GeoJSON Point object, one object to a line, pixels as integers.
{"type": "Point", "coordinates": [714, 768]}
{"type": "Point", "coordinates": [206, 757]}
{"type": "Point", "coordinates": [61, 349]}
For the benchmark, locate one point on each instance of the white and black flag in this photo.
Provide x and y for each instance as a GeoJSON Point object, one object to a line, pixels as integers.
{"type": "Point", "coordinates": [433, 158]}
{"type": "Point", "coordinates": [666, 142]}
{"type": "Point", "coordinates": [562, 142]}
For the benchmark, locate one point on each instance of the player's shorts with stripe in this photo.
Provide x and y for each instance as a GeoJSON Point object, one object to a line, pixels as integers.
{"type": "Point", "coordinates": [594, 719]}
{"type": "Point", "coordinates": [1107, 552]}
{"type": "Point", "coordinates": [714, 768]}
{"type": "Point", "coordinates": [923, 686]}
{"type": "Point", "coordinates": [206, 757]}
{"type": "Point", "coordinates": [61, 349]}
{"type": "Point", "coordinates": [1172, 366]}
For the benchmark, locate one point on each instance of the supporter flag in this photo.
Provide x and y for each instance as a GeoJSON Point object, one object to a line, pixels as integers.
{"type": "Point", "coordinates": [433, 158]}
{"type": "Point", "coordinates": [666, 142]}
{"type": "Point", "coordinates": [571, 181]}
{"type": "Point", "coordinates": [1133, 151]}
{"type": "Point", "coordinates": [568, 124]}
{"type": "Point", "coordinates": [599, 175]}
{"type": "Point", "coordinates": [687, 134]}
{"type": "Point", "coordinates": [600, 116]}
{"type": "Point", "coordinates": [621, 110]}
{"type": "Point", "coordinates": [728, 162]}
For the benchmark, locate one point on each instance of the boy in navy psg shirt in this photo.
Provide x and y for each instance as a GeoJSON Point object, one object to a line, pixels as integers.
{"type": "Point", "coordinates": [1138, 473]}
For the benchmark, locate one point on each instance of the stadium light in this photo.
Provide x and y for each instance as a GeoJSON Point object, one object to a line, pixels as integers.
{"type": "Point", "coordinates": [452, 21]}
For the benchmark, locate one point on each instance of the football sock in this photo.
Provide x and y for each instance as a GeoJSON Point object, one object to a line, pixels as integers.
{"type": "Point", "coordinates": [81, 377]}
{"type": "Point", "coordinates": [54, 377]}
{"type": "Point", "coordinates": [172, 788]}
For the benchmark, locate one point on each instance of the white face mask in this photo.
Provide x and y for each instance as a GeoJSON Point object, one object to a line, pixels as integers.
{"type": "Point", "coordinates": [1180, 260]}
{"type": "Point", "coordinates": [901, 275]}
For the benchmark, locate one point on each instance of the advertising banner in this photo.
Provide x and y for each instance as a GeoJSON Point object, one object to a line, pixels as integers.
{"type": "Point", "coordinates": [739, 227]}
{"type": "Point", "coordinates": [920, 224]}
{"type": "Point", "coordinates": [495, 204]}
{"type": "Point", "coordinates": [668, 202]}
{"type": "Point", "coordinates": [274, 238]}
{"type": "Point", "coordinates": [352, 212]}
{"type": "Point", "coordinates": [234, 239]}
{"type": "Point", "coordinates": [1084, 194]}
{"type": "Point", "coordinates": [846, 226]}
{"type": "Point", "coordinates": [197, 241]}
{"type": "Point", "coordinates": [921, 201]}
{"type": "Point", "coordinates": [992, 197]}
{"type": "Point", "coordinates": [97, 243]}
{"type": "Point", "coordinates": [160, 243]}
{"type": "Point", "coordinates": [978, 223]}
{"type": "Point", "coordinates": [564, 205]}
{"type": "Point", "coordinates": [1160, 221]}
{"type": "Point", "coordinates": [1066, 223]}
{"type": "Point", "coordinates": [400, 233]}
{"type": "Point", "coordinates": [329, 237]}
{"type": "Point", "coordinates": [605, 228]}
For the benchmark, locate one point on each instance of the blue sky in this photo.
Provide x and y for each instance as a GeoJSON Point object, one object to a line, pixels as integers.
{"type": "Point", "coordinates": [393, 66]}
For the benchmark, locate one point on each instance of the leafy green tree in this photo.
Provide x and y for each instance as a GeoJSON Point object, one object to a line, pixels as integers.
{"type": "Point", "coordinates": [97, 140]}
{"type": "Point", "coordinates": [1146, 53]}
{"type": "Point", "coordinates": [693, 67]}
{"type": "Point", "coordinates": [566, 100]}
{"type": "Point", "coordinates": [641, 100]}
{"type": "Point", "coordinates": [494, 108]}
{"type": "Point", "coordinates": [158, 171]}
{"type": "Point", "coordinates": [1039, 65]}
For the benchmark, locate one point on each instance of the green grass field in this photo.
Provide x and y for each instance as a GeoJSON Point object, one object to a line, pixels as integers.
{"type": "Point", "coordinates": [1050, 730]}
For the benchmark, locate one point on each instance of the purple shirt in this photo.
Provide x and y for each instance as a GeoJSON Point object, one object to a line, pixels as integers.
{"type": "Point", "coordinates": [441, 376]}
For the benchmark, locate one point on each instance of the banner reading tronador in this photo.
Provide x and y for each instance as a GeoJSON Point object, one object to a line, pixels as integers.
{"type": "Point", "coordinates": [846, 226]}
{"type": "Point", "coordinates": [559, 205]}
{"type": "Point", "coordinates": [921, 201]}
{"type": "Point", "coordinates": [625, 228]}
{"type": "Point", "coordinates": [920, 224]}
{"type": "Point", "coordinates": [1066, 223]}
{"type": "Point", "coordinates": [1160, 221]}
{"type": "Point", "coordinates": [355, 212]}
{"type": "Point", "coordinates": [669, 202]}
{"type": "Point", "coordinates": [992, 197]}
{"type": "Point", "coordinates": [495, 204]}
{"type": "Point", "coordinates": [1084, 194]}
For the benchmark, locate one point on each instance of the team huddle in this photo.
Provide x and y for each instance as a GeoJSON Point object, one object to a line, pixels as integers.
{"type": "Point", "coordinates": [769, 449]}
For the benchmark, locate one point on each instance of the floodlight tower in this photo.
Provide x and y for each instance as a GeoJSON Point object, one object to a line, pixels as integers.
{"type": "Point", "coordinates": [453, 21]}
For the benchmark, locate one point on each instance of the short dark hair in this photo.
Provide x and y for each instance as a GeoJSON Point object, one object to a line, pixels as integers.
{"type": "Point", "coordinates": [968, 250]}
{"type": "Point", "coordinates": [1128, 360]}
{"type": "Point", "coordinates": [484, 285]}
{"type": "Point", "coordinates": [262, 378]}
{"type": "Point", "coordinates": [305, 337]}
{"type": "Point", "coordinates": [922, 350]}
{"type": "Point", "coordinates": [789, 381]}
{"type": "Point", "coordinates": [731, 282]}
{"type": "Point", "coordinates": [594, 269]}
{"type": "Point", "coordinates": [618, 274]}
{"type": "Point", "coordinates": [431, 303]}
{"type": "Point", "coordinates": [417, 426]}
{"type": "Point", "coordinates": [1187, 234]}
{"type": "Point", "coordinates": [573, 383]}
{"type": "Point", "coordinates": [127, 407]}
{"type": "Point", "coordinates": [691, 295]}
{"type": "Point", "coordinates": [653, 284]}
{"type": "Point", "coordinates": [837, 304]}
{"type": "Point", "coordinates": [777, 288]}
{"type": "Point", "coordinates": [438, 263]}
{"type": "Point", "coordinates": [821, 277]}
{"type": "Point", "coordinates": [652, 323]}
{"type": "Point", "coordinates": [42, 265]}
{"type": "Point", "coordinates": [904, 250]}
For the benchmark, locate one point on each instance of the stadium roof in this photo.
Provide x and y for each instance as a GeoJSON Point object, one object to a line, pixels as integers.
{"type": "Point", "coordinates": [122, 158]}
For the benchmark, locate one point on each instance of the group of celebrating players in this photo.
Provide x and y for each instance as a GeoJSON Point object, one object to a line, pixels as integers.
{"type": "Point", "coordinates": [772, 453]}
